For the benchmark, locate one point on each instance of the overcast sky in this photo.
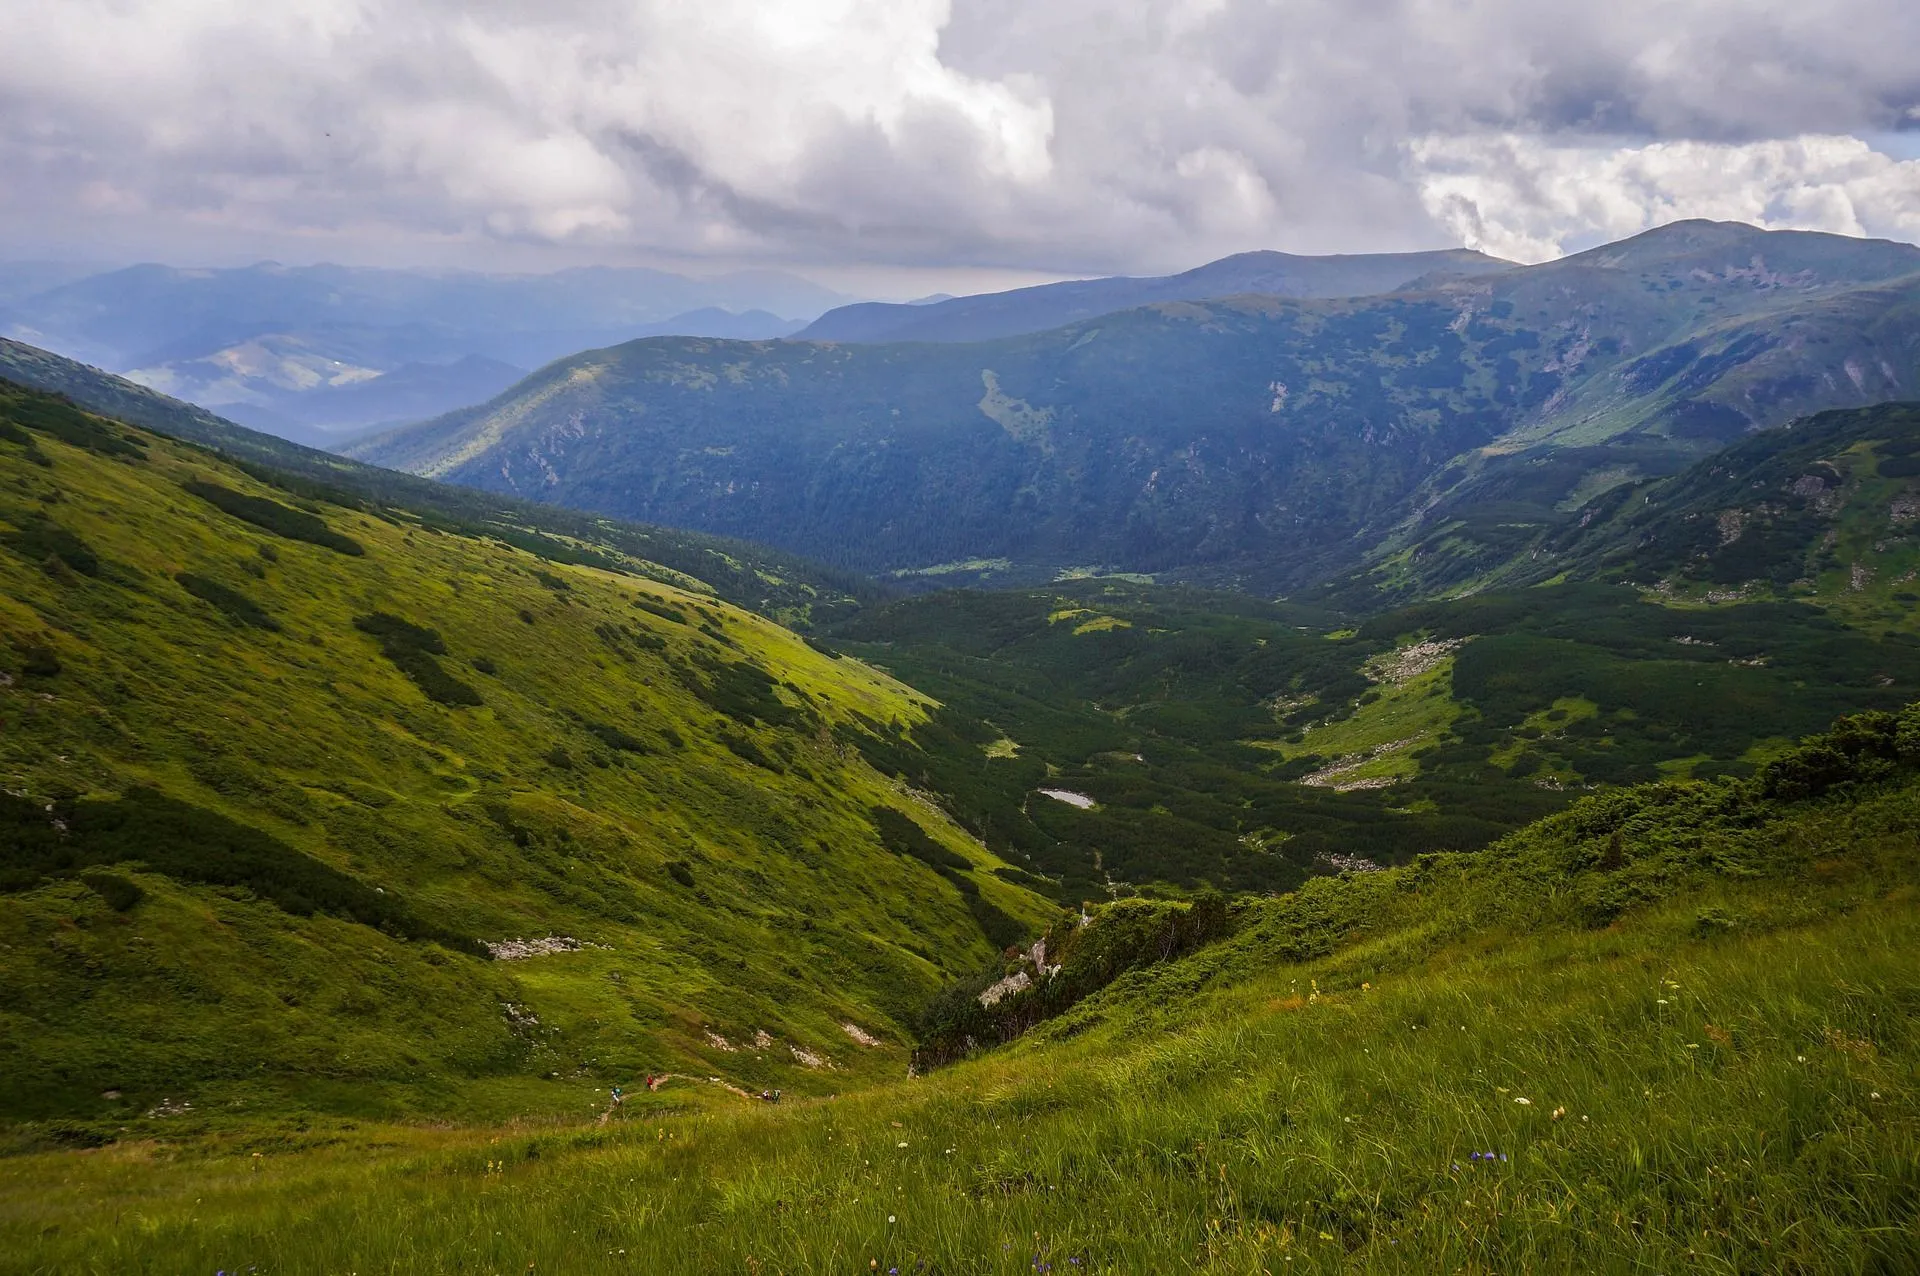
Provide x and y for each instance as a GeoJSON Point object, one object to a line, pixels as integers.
{"type": "Point", "coordinates": [897, 141]}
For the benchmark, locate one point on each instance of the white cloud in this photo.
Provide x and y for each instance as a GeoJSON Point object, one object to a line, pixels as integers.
{"type": "Point", "coordinates": [1530, 200]}
{"type": "Point", "coordinates": [1015, 133]}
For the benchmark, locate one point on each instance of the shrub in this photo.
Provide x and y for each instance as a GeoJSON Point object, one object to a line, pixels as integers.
{"type": "Point", "coordinates": [43, 541]}
{"type": "Point", "coordinates": [64, 421]}
{"type": "Point", "coordinates": [615, 738]}
{"type": "Point", "coordinates": [38, 661]}
{"type": "Point", "coordinates": [412, 649]}
{"type": "Point", "coordinates": [120, 894]}
{"type": "Point", "coordinates": [282, 520]}
{"type": "Point", "coordinates": [904, 836]}
{"type": "Point", "coordinates": [1119, 937]}
{"type": "Point", "coordinates": [192, 844]}
{"type": "Point", "coordinates": [743, 691]}
{"type": "Point", "coordinates": [236, 606]}
{"type": "Point", "coordinates": [662, 610]}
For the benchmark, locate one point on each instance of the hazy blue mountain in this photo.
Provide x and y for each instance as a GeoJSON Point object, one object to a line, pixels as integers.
{"type": "Point", "coordinates": [23, 279]}
{"type": "Point", "coordinates": [1261, 441]}
{"type": "Point", "coordinates": [297, 350]}
{"type": "Point", "coordinates": [1007, 314]}
{"type": "Point", "coordinates": [329, 415]}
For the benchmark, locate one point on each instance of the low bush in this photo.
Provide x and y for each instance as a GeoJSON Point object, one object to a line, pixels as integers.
{"type": "Point", "coordinates": [236, 606]}
{"type": "Point", "coordinates": [412, 649]}
{"type": "Point", "coordinates": [190, 844]}
{"type": "Point", "coordinates": [272, 516]}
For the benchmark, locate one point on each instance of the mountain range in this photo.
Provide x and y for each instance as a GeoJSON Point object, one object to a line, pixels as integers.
{"type": "Point", "coordinates": [408, 871]}
{"type": "Point", "coordinates": [1023, 310]}
{"type": "Point", "coordinates": [1258, 441]}
{"type": "Point", "coordinates": [317, 353]}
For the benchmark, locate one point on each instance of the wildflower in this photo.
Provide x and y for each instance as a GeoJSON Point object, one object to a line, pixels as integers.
{"type": "Point", "coordinates": [1660, 1002]}
{"type": "Point", "coordinates": [900, 1145]}
{"type": "Point", "coordinates": [1558, 1113]}
{"type": "Point", "coordinates": [1525, 1103]}
{"type": "Point", "coordinates": [890, 1218]}
{"type": "Point", "coordinates": [1800, 1058]}
{"type": "Point", "coordinates": [1693, 1045]}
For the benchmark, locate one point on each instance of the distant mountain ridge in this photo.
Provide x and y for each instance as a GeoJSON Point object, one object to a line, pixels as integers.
{"type": "Point", "coordinates": [1256, 441]}
{"type": "Point", "coordinates": [302, 351]}
{"type": "Point", "coordinates": [1024, 310]}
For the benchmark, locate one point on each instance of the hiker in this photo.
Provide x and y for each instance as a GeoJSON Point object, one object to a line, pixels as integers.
{"type": "Point", "coordinates": [618, 1097]}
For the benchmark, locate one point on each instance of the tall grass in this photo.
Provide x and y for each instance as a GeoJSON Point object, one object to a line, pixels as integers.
{"type": "Point", "coordinates": [1639, 1098]}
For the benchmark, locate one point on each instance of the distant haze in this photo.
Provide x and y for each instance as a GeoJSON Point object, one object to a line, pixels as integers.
{"type": "Point", "coordinates": [901, 147]}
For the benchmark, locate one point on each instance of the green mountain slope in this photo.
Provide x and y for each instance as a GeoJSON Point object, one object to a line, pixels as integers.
{"type": "Point", "coordinates": [1827, 509]}
{"type": "Point", "coordinates": [1668, 1029]}
{"type": "Point", "coordinates": [790, 589]}
{"type": "Point", "coordinates": [1262, 442]}
{"type": "Point", "coordinates": [276, 773]}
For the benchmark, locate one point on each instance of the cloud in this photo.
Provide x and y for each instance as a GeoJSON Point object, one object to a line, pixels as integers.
{"type": "Point", "coordinates": [1069, 134]}
{"type": "Point", "coordinates": [1522, 198]}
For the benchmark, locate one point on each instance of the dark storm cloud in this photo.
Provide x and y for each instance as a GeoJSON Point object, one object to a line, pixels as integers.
{"type": "Point", "coordinates": [1075, 134]}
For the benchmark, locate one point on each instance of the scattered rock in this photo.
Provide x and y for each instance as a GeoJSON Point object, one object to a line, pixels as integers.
{"type": "Point", "coordinates": [521, 949]}
{"type": "Point", "coordinates": [860, 1035]}
{"type": "Point", "coordinates": [1410, 662]}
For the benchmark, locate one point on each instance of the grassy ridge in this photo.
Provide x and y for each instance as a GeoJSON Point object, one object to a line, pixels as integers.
{"type": "Point", "coordinates": [358, 764]}
{"type": "Point", "coordinates": [1669, 1029]}
{"type": "Point", "coordinates": [752, 576]}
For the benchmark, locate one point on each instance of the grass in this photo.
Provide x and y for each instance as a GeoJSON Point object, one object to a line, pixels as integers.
{"type": "Point", "coordinates": [1465, 1077]}
{"type": "Point", "coordinates": [1670, 1028]}
{"type": "Point", "coordinates": [507, 745]}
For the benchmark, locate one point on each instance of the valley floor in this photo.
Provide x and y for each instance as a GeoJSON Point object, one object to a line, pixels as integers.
{"type": "Point", "coordinates": [1716, 1085]}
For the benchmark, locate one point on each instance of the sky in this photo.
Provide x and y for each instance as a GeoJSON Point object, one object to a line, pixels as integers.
{"type": "Point", "coordinates": [904, 146]}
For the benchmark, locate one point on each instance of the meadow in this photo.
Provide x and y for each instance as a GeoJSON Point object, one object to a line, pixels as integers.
{"type": "Point", "coordinates": [1671, 1029]}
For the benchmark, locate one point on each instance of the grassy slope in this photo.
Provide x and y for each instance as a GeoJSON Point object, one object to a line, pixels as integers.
{"type": "Point", "coordinates": [790, 589]}
{"type": "Point", "coordinates": [510, 819]}
{"type": "Point", "coordinates": [1669, 1029]}
{"type": "Point", "coordinates": [1807, 511]}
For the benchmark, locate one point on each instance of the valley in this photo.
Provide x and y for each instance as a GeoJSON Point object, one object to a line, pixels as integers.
{"type": "Point", "coordinates": [1517, 884]}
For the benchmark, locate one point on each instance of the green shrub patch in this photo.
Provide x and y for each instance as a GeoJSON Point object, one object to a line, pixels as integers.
{"type": "Point", "coordinates": [236, 606]}
{"type": "Point", "coordinates": [42, 541]}
{"type": "Point", "coordinates": [272, 516]}
{"type": "Point", "coordinates": [412, 649]}
{"type": "Point", "coordinates": [189, 844]}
